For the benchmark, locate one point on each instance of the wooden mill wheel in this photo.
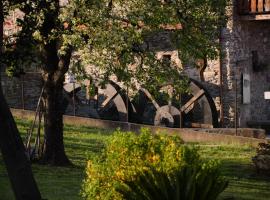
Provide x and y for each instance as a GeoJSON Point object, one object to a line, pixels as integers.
{"type": "Point", "coordinates": [196, 109]}
{"type": "Point", "coordinates": [115, 104]}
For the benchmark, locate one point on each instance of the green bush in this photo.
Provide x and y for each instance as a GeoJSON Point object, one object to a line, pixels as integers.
{"type": "Point", "coordinates": [195, 182]}
{"type": "Point", "coordinates": [128, 157]}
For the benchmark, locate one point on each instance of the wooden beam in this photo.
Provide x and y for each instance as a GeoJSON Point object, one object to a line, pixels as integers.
{"type": "Point", "coordinates": [189, 105]}
{"type": "Point", "coordinates": [260, 6]}
{"type": "Point", "coordinates": [267, 5]}
{"type": "Point", "coordinates": [255, 17]}
{"type": "Point", "coordinates": [253, 7]}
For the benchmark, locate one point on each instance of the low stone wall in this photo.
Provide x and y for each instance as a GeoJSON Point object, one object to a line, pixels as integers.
{"type": "Point", "coordinates": [260, 124]}
{"type": "Point", "coordinates": [244, 132]}
{"type": "Point", "coordinates": [188, 135]}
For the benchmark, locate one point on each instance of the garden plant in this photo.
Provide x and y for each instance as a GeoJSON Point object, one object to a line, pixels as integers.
{"type": "Point", "coordinates": [148, 166]}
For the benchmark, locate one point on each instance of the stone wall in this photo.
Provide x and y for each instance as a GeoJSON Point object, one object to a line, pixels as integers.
{"type": "Point", "coordinates": [239, 39]}
{"type": "Point", "coordinates": [22, 92]}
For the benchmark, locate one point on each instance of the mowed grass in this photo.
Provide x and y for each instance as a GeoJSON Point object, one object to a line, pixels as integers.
{"type": "Point", "coordinates": [236, 166]}
{"type": "Point", "coordinates": [83, 143]}
{"type": "Point", "coordinates": [61, 183]}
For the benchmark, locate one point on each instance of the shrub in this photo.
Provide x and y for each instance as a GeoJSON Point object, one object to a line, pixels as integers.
{"type": "Point", "coordinates": [129, 158]}
{"type": "Point", "coordinates": [262, 159]}
{"type": "Point", "coordinates": [197, 182]}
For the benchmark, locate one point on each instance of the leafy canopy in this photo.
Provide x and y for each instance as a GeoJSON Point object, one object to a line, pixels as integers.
{"type": "Point", "coordinates": [111, 35]}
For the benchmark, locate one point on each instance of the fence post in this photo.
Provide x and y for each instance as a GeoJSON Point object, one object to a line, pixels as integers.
{"type": "Point", "coordinates": [22, 93]}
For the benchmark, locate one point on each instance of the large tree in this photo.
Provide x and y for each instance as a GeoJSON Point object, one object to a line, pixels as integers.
{"type": "Point", "coordinates": [11, 145]}
{"type": "Point", "coordinates": [40, 40]}
{"type": "Point", "coordinates": [109, 34]}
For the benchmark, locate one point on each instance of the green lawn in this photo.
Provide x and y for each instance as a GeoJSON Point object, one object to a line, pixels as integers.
{"type": "Point", "coordinates": [82, 143]}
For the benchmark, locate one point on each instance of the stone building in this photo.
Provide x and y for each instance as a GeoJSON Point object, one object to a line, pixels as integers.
{"type": "Point", "coordinates": [236, 82]}
{"type": "Point", "coordinates": [245, 64]}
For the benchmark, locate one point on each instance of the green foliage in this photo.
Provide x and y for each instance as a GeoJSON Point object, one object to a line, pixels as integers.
{"type": "Point", "coordinates": [111, 35]}
{"type": "Point", "coordinates": [129, 159]}
{"type": "Point", "coordinates": [190, 182]}
{"type": "Point", "coordinates": [262, 159]}
{"type": "Point", "coordinates": [118, 30]}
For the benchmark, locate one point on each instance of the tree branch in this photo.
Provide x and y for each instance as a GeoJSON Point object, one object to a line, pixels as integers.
{"type": "Point", "coordinates": [63, 65]}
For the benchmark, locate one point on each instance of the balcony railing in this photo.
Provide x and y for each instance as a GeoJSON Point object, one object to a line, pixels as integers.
{"type": "Point", "coordinates": [256, 7]}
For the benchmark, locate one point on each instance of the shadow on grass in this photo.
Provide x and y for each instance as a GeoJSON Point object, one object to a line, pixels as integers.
{"type": "Point", "coordinates": [57, 183]}
{"type": "Point", "coordinates": [244, 181]}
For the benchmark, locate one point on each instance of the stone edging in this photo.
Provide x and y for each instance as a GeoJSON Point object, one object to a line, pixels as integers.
{"type": "Point", "coordinates": [188, 135]}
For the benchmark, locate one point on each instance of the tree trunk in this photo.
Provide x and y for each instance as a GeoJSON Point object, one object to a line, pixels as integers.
{"type": "Point", "coordinates": [53, 77]}
{"type": "Point", "coordinates": [13, 152]}
{"type": "Point", "coordinates": [54, 152]}
{"type": "Point", "coordinates": [12, 148]}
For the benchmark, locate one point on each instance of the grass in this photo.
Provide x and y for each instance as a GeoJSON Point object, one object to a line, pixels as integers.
{"type": "Point", "coordinates": [82, 143]}
{"type": "Point", "coordinates": [236, 166]}
{"type": "Point", "coordinates": [61, 183]}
